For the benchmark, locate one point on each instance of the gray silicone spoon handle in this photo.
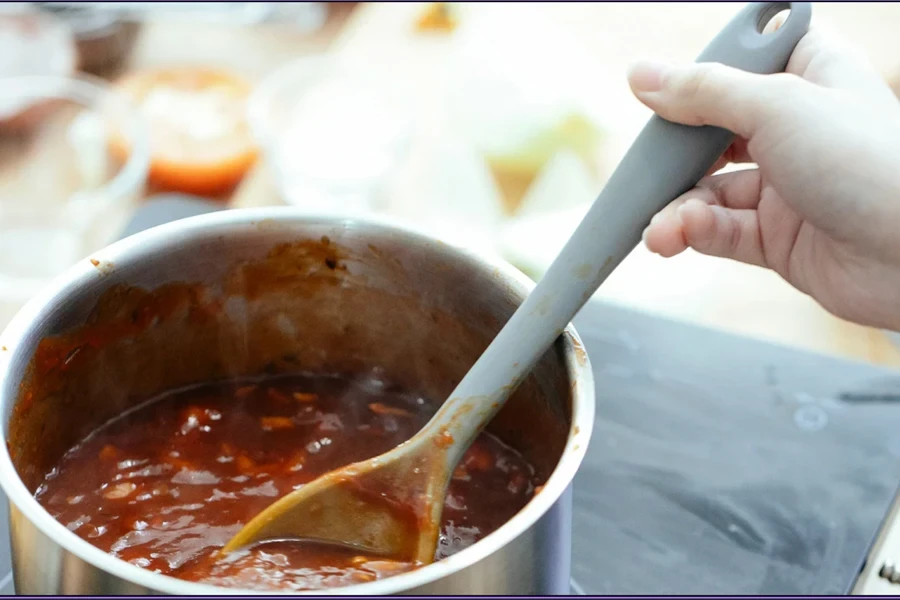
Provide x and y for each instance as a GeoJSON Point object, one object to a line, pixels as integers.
{"type": "Point", "coordinates": [665, 161]}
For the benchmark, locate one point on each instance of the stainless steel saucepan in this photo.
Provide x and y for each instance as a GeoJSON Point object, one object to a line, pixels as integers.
{"type": "Point", "coordinates": [418, 309]}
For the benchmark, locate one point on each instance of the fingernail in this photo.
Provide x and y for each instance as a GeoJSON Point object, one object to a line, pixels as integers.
{"type": "Point", "coordinates": [656, 219]}
{"type": "Point", "coordinates": [647, 76]}
{"type": "Point", "coordinates": [644, 235]}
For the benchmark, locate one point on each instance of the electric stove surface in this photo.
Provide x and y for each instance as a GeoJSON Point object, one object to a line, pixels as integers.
{"type": "Point", "coordinates": [724, 465]}
{"type": "Point", "coordinates": [718, 464]}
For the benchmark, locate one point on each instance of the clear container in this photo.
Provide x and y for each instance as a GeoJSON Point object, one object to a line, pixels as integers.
{"type": "Point", "coordinates": [332, 133]}
{"type": "Point", "coordinates": [63, 191]}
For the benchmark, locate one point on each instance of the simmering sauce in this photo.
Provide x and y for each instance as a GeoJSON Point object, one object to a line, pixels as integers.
{"type": "Point", "coordinates": [167, 484]}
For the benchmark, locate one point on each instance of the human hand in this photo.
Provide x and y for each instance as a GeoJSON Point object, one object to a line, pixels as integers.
{"type": "Point", "coordinates": [822, 206]}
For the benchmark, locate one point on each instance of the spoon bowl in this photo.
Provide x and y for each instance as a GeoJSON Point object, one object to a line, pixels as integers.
{"type": "Point", "coordinates": [386, 506]}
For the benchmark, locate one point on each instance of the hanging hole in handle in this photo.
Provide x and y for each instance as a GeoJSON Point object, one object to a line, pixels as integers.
{"type": "Point", "coordinates": [771, 19]}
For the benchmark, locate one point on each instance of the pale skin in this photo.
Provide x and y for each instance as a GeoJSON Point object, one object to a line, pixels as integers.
{"type": "Point", "coordinates": [820, 204]}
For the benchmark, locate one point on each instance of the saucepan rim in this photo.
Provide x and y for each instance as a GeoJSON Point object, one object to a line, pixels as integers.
{"type": "Point", "coordinates": [142, 246]}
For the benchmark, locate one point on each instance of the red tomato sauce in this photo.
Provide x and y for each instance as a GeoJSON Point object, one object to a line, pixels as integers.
{"type": "Point", "coordinates": [167, 484]}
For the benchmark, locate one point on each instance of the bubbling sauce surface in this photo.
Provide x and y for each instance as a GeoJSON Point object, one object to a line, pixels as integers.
{"type": "Point", "coordinates": [167, 484]}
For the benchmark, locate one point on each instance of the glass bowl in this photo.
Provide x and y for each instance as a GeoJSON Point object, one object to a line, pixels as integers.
{"type": "Point", "coordinates": [63, 191]}
{"type": "Point", "coordinates": [330, 132]}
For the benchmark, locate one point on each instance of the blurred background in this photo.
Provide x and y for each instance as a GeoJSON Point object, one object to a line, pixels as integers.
{"type": "Point", "coordinates": [493, 125]}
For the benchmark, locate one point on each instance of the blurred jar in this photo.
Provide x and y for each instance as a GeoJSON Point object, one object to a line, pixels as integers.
{"type": "Point", "coordinates": [520, 95]}
{"type": "Point", "coordinates": [331, 133]}
{"type": "Point", "coordinates": [34, 43]}
{"type": "Point", "coordinates": [63, 193]}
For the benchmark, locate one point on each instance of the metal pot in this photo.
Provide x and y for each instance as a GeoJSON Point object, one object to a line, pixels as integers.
{"type": "Point", "coordinates": [293, 291]}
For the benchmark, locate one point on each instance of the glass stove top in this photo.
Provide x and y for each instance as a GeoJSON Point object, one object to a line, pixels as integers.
{"type": "Point", "coordinates": [724, 465]}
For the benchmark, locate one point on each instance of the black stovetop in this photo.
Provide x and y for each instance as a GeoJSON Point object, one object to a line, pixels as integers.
{"type": "Point", "coordinates": [724, 465]}
{"type": "Point", "coordinates": [718, 464]}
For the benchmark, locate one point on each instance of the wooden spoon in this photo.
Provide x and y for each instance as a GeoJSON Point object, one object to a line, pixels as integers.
{"type": "Point", "coordinates": [391, 505]}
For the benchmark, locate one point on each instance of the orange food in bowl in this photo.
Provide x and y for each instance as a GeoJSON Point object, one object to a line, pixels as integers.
{"type": "Point", "coordinates": [200, 142]}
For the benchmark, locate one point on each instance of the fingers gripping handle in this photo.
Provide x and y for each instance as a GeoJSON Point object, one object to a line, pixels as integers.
{"type": "Point", "coordinates": [668, 159]}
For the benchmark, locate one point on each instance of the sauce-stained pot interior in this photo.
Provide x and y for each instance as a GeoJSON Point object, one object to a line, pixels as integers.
{"type": "Point", "coordinates": [275, 304]}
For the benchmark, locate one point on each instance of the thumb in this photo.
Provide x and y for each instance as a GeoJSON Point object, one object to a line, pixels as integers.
{"type": "Point", "coordinates": [712, 94]}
